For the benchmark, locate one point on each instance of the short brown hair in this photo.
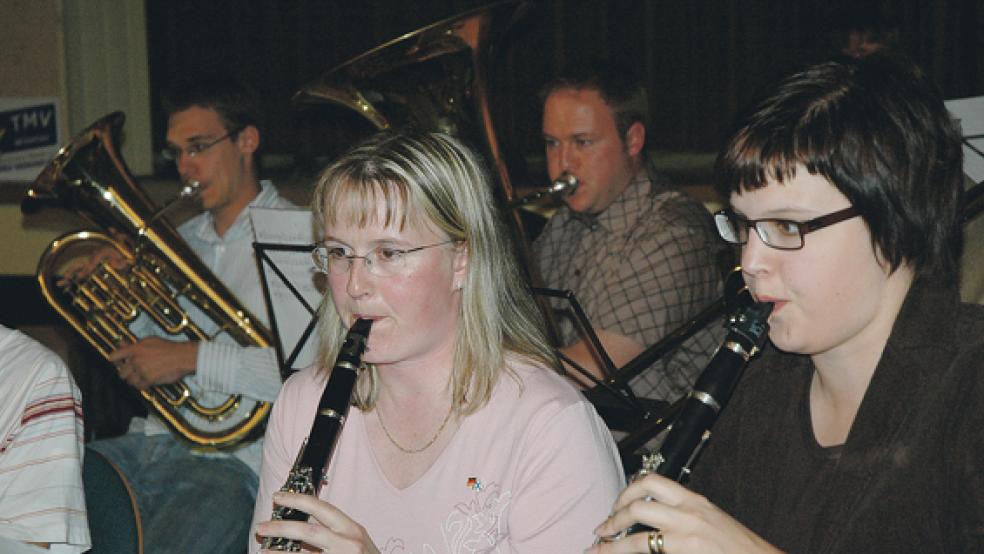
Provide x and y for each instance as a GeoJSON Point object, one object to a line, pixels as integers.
{"type": "Point", "coordinates": [620, 88]}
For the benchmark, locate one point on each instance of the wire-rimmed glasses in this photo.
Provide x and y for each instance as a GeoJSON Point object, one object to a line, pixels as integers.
{"type": "Point", "coordinates": [382, 261]}
{"type": "Point", "coordinates": [173, 153]}
{"type": "Point", "coordinates": [781, 234]}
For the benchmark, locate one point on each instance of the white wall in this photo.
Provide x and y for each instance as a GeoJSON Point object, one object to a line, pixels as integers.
{"type": "Point", "coordinates": [92, 55]}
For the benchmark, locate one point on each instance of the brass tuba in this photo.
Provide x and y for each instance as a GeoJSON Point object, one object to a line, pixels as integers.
{"type": "Point", "coordinates": [436, 78]}
{"type": "Point", "coordinates": [88, 176]}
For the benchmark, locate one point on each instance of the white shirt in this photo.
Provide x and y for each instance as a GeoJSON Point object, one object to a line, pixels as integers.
{"type": "Point", "coordinates": [41, 446]}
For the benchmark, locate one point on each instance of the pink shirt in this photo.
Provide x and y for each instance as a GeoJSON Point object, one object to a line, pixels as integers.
{"type": "Point", "coordinates": [535, 470]}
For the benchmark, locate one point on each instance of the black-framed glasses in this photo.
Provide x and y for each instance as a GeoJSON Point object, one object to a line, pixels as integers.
{"type": "Point", "coordinates": [781, 234]}
{"type": "Point", "coordinates": [173, 153]}
{"type": "Point", "coordinates": [382, 261]}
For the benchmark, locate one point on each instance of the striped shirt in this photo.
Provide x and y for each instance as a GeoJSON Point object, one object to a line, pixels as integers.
{"type": "Point", "coordinates": [41, 435]}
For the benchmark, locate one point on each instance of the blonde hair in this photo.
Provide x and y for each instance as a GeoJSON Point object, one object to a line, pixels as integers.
{"type": "Point", "coordinates": [432, 179]}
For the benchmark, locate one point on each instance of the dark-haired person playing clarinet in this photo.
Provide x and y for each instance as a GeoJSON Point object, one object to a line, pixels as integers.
{"type": "Point", "coordinates": [860, 428]}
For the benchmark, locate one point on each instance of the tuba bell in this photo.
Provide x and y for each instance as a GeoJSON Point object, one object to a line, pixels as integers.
{"type": "Point", "coordinates": [437, 78]}
{"type": "Point", "coordinates": [88, 176]}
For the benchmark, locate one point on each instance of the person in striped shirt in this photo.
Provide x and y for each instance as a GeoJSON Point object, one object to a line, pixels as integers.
{"type": "Point", "coordinates": [41, 435]}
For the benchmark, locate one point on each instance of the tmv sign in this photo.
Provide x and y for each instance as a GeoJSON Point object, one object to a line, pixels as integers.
{"type": "Point", "coordinates": [28, 136]}
{"type": "Point", "coordinates": [28, 127]}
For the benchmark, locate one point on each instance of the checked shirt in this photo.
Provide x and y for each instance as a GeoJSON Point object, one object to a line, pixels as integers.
{"type": "Point", "coordinates": [642, 268]}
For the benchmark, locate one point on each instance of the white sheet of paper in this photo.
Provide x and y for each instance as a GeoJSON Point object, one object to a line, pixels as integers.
{"type": "Point", "coordinates": [293, 227]}
{"type": "Point", "coordinates": [11, 546]}
{"type": "Point", "coordinates": [970, 113]}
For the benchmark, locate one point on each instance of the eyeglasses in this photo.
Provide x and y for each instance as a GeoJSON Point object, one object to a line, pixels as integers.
{"type": "Point", "coordinates": [382, 261]}
{"type": "Point", "coordinates": [173, 153]}
{"type": "Point", "coordinates": [781, 234]}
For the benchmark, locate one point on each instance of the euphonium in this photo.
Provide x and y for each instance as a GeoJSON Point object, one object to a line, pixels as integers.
{"type": "Point", "coordinates": [307, 474]}
{"type": "Point", "coordinates": [89, 177]}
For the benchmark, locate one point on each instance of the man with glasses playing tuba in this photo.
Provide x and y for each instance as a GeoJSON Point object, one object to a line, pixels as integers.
{"type": "Point", "coordinates": [641, 257]}
{"type": "Point", "coordinates": [192, 501]}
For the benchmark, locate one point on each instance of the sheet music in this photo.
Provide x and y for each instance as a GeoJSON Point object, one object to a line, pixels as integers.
{"type": "Point", "coordinates": [970, 113]}
{"type": "Point", "coordinates": [289, 227]}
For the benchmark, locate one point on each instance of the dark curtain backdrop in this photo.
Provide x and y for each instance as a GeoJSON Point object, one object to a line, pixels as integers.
{"type": "Point", "coordinates": [702, 60]}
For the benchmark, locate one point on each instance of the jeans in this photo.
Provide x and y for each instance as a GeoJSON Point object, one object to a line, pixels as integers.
{"type": "Point", "coordinates": [188, 503]}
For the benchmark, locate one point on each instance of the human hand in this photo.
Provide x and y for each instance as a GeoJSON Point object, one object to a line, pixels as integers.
{"type": "Point", "coordinates": [154, 361]}
{"type": "Point", "coordinates": [328, 530]}
{"type": "Point", "coordinates": [685, 522]}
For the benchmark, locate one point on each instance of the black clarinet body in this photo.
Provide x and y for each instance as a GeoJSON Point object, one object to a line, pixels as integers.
{"type": "Point", "coordinates": [307, 474]}
{"type": "Point", "coordinates": [747, 331]}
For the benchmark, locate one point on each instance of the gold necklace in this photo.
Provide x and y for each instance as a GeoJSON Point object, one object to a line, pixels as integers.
{"type": "Point", "coordinates": [379, 414]}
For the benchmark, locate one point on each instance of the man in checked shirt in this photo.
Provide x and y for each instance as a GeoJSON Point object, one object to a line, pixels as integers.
{"type": "Point", "coordinates": [641, 257]}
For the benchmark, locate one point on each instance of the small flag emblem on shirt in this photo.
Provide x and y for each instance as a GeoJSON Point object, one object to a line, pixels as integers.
{"type": "Point", "coordinates": [474, 484]}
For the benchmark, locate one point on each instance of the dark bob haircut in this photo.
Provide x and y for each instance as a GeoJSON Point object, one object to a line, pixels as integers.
{"type": "Point", "coordinates": [877, 130]}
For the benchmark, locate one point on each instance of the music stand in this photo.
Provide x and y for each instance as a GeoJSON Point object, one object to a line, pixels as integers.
{"type": "Point", "coordinates": [969, 112]}
{"type": "Point", "coordinates": [627, 410]}
{"type": "Point", "coordinates": [287, 280]}
{"type": "Point", "coordinates": [643, 416]}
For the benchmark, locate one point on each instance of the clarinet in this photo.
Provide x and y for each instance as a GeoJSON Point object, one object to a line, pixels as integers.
{"type": "Point", "coordinates": [311, 465]}
{"type": "Point", "coordinates": [747, 330]}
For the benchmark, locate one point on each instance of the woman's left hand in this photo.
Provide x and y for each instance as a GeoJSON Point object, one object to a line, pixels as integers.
{"type": "Point", "coordinates": [686, 522]}
{"type": "Point", "coordinates": [328, 529]}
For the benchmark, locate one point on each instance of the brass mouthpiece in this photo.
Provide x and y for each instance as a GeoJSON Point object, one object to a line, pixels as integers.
{"type": "Point", "coordinates": [190, 189]}
{"type": "Point", "coordinates": [564, 185]}
{"type": "Point", "coordinates": [187, 191]}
